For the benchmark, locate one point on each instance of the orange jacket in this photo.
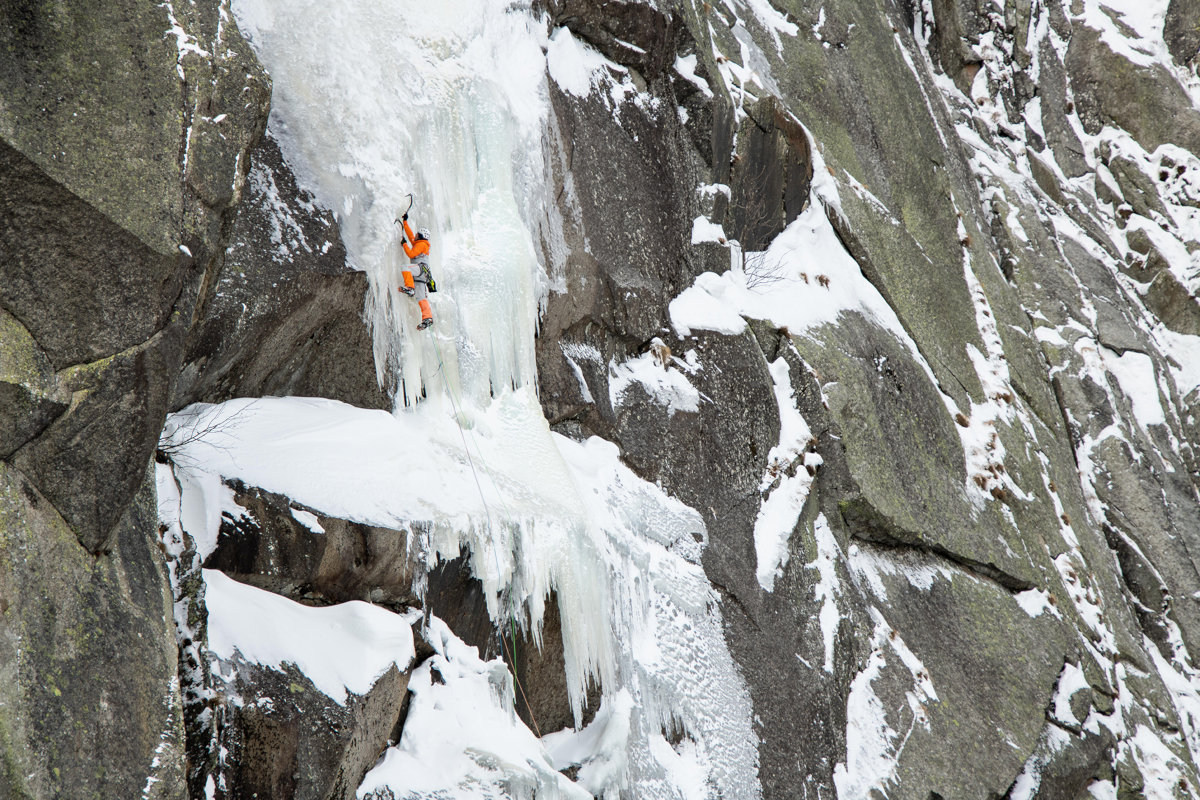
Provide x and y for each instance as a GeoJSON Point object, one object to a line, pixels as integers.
{"type": "Point", "coordinates": [419, 248]}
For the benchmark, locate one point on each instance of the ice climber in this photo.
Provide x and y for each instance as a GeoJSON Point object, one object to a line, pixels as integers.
{"type": "Point", "coordinates": [420, 285]}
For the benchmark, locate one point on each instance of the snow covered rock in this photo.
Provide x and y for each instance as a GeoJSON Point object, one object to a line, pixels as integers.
{"type": "Point", "coordinates": [1129, 92]}
{"type": "Point", "coordinates": [282, 738]}
{"type": "Point", "coordinates": [886, 315]}
{"type": "Point", "coordinates": [941, 430]}
{"type": "Point", "coordinates": [305, 698]}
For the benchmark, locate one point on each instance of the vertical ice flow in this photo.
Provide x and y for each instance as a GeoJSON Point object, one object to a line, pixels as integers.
{"type": "Point", "coordinates": [448, 101]}
{"type": "Point", "coordinates": [442, 100]}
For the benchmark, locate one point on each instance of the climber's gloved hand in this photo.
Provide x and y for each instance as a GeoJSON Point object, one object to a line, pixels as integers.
{"type": "Point", "coordinates": [404, 216]}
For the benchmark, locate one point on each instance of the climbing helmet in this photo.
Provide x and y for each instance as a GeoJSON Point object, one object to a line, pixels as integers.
{"type": "Point", "coordinates": [423, 233]}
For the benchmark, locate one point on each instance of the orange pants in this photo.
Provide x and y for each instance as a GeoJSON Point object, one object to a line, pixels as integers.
{"type": "Point", "coordinates": [420, 287]}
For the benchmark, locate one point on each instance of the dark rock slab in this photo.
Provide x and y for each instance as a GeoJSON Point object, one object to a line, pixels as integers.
{"type": "Point", "coordinates": [271, 549]}
{"type": "Point", "coordinates": [1181, 30]}
{"type": "Point", "coordinates": [286, 740]}
{"type": "Point", "coordinates": [286, 314]}
{"type": "Point", "coordinates": [1137, 188]}
{"type": "Point", "coordinates": [83, 286]}
{"type": "Point", "coordinates": [92, 458]}
{"type": "Point", "coordinates": [905, 454]}
{"type": "Point", "coordinates": [1173, 304]}
{"type": "Point", "coordinates": [637, 250]}
{"type": "Point", "coordinates": [30, 396]}
{"type": "Point", "coordinates": [1054, 87]}
{"type": "Point", "coordinates": [635, 34]}
{"type": "Point", "coordinates": [108, 234]}
{"type": "Point", "coordinates": [89, 701]}
{"type": "Point", "coordinates": [771, 175]}
{"type": "Point", "coordinates": [122, 154]}
{"type": "Point", "coordinates": [1146, 101]}
{"type": "Point", "coordinates": [957, 26]}
{"type": "Point", "coordinates": [93, 98]}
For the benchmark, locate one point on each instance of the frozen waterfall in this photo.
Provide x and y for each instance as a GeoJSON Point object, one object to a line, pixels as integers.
{"type": "Point", "coordinates": [448, 101]}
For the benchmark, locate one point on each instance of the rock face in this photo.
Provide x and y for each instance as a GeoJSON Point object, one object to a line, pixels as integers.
{"type": "Point", "coordinates": [285, 286]}
{"type": "Point", "coordinates": [89, 699]}
{"type": "Point", "coordinates": [125, 136]}
{"type": "Point", "coordinates": [269, 548]}
{"type": "Point", "coordinates": [1181, 32]}
{"type": "Point", "coordinates": [112, 224]}
{"type": "Point", "coordinates": [109, 227]}
{"type": "Point", "coordinates": [990, 586]}
{"type": "Point", "coordinates": [292, 741]}
{"type": "Point", "coordinates": [977, 274]}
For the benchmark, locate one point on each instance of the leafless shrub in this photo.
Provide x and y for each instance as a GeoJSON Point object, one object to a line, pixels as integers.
{"type": "Point", "coordinates": [762, 269]}
{"type": "Point", "coordinates": [757, 219]}
{"type": "Point", "coordinates": [196, 424]}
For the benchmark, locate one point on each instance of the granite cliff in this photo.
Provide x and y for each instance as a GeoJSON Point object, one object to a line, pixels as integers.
{"type": "Point", "coordinates": [892, 307]}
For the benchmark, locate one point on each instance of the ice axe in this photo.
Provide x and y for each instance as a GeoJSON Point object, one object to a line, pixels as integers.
{"type": "Point", "coordinates": [405, 212]}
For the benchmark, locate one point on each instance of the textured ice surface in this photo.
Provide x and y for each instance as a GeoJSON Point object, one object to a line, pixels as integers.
{"type": "Point", "coordinates": [446, 101]}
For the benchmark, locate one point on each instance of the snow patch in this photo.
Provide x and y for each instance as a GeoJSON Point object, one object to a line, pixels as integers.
{"type": "Point", "coordinates": [574, 65]}
{"type": "Point", "coordinates": [870, 565]}
{"type": "Point", "coordinates": [786, 482]}
{"type": "Point", "coordinates": [600, 749]}
{"type": "Point", "coordinates": [341, 649]}
{"type": "Point", "coordinates": [1136, 376]}
{"type": "Point", "coordinates": [1070, 681]}
{"type": "Point", "coordinates": [1035, 602]}
{"type": "Point", "coordinates": [686, 67]}
{"type": "Point", "coordinates": [307, 519]}
{"type": "Point", "coordinates": [873, 747]}
{"type": "Point", "coordinates": [813, 280]}
{"type": "Point", "coordinates": [461, 737]}
{"type": "Point", "coordinates": [705, 231]}
{"type": "Point", "coordinates": [828, 587]}
{"type": "Point", "coordinates": [665, 384]}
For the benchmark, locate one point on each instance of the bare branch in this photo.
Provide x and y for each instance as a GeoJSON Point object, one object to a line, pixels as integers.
{"type": "Point", "coordinates": [196, 424]}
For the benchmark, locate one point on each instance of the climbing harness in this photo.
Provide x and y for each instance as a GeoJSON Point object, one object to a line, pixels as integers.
{"type": "Point", "coordinates": [426, 277]}
{"type": "Point", "coordinates": [512, 648]}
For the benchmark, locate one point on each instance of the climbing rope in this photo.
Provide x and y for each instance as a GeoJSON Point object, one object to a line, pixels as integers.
{"type": "Point", "coordinates": [458, 417]}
